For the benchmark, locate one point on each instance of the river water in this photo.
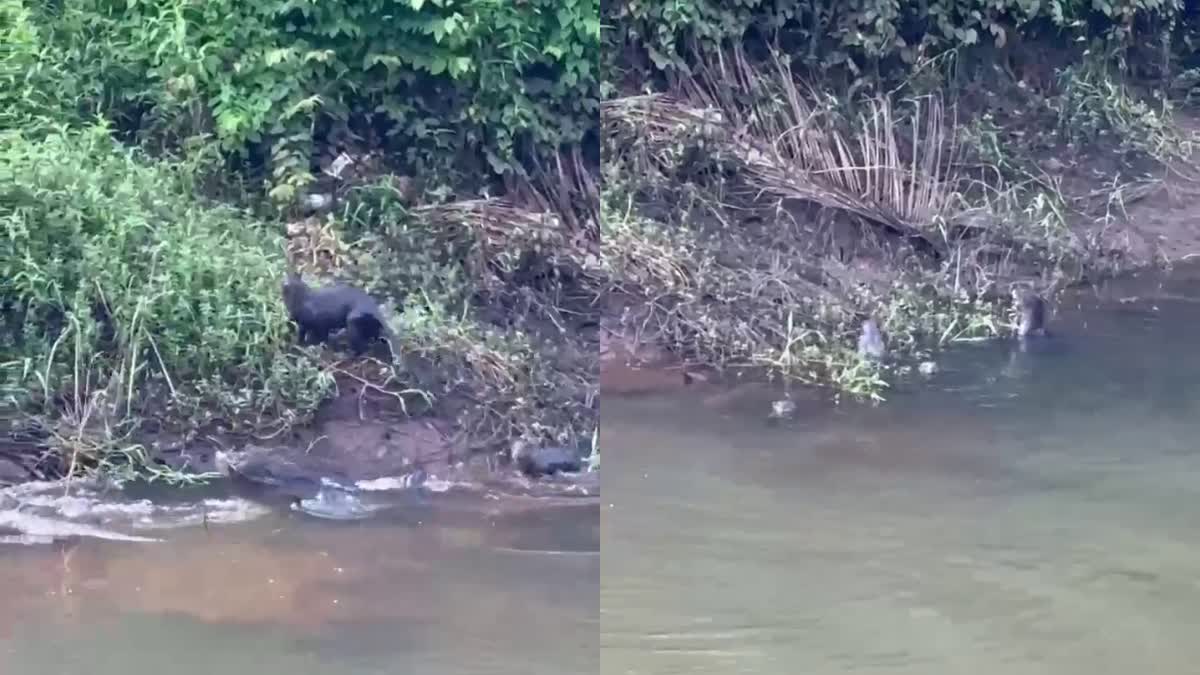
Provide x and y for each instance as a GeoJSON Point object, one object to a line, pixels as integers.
{"type": "Point", "coordinates": [466, 590]}
{"type": "Point", "coordinates": [1022, 512]}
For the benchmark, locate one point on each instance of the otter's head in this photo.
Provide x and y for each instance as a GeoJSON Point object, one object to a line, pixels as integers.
{"type": "Point", "coordinates": [293, 288]}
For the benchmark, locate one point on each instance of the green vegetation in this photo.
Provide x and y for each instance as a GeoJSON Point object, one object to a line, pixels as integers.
{"type": "Point", "coordinates": [463, 89]}
{"type": "Point", "coordinates": [153, 155]}
{"type": "Point", "coordinates": [126, 295]}
{"type": "Point", "coordinates": [774, 172]}
{"type": "Point", "coordinates": [777, 172]}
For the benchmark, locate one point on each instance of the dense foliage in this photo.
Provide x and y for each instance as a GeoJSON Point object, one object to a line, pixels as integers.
{"type": "Point", "coordinates": [116, 278]}
{"type": "Point", "coordinates": [859, 39]}
{"type": "Point", "coordinates": [460, 87]}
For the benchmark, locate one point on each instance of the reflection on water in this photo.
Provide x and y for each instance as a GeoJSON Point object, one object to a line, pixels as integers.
{"type": "Point", "coordinates": [458, 593]}
{"type": "Point", "coordinates": [1022, 513]}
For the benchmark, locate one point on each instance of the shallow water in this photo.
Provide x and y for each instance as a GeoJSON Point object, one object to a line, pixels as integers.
{"type": "Point", "coordinates": [463, 590]}
{"type": "Point", "coordinates": [1023, 512]}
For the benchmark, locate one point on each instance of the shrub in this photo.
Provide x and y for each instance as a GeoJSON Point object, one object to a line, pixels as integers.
{"type": "Point", "coordinates": [861, 39]}
{"type": "Point", "coordinates": [440, 85]}
{"type": "Point", "coordinates": [112, 270]}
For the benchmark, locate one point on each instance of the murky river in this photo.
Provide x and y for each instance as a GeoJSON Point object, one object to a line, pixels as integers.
{"type": "Point", "coordinates": [459, 591]}
{"type": "Point", "coordinates": [1029, 512]}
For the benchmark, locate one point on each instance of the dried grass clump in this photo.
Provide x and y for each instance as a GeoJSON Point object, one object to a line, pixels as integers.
{"type": "Point", "coordinates": [787, 148]}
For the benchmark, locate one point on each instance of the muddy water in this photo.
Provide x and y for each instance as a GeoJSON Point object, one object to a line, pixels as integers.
{"type": "Point", "coordinates": [1028, 512]}
{"type": "Point", "coordinates": [467, 590]}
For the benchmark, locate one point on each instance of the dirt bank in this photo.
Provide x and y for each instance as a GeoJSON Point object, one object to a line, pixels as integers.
{"type": "Point", "coordinates": [1148, 224]}
{"type": "Point", "coordinates": [755, 220]}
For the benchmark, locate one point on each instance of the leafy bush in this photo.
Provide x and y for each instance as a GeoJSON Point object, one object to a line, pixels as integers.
{"type": "Point", "coordinates": [1094, 106]}
{"type": "Point", "coordinates": [440, 85]}
{"type": "Point", "coordinates": [35, 91]}
{"type": "Point", "coordinates": [859, 37]}
{"type": "Point", "coordinates": [112, 269]}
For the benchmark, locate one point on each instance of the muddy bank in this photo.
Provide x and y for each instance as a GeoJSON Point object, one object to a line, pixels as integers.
{"type": "Point", "coordinates": [629, 365]}
{"type": "Point", "coordinates": [354, 440]}
{"type": "Point", "coordinates": [742, 256]}
{"type": "Point", "coordinates": [630, 368]}
{"type": "Point", "coordinates": [758, 215]}
{"type": "Point", "coordinates": [489, 301]}
{"type": "Point", "coordinates": [358, 448]}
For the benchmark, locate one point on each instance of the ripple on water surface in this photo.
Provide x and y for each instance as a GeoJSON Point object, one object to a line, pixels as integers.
{"type": "Point", "coordinates": [1023, 513]}
{"type": "Point", "coordinates": [459, 592]}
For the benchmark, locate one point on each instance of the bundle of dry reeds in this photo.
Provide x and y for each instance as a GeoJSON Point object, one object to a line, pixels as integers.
{"type": "Point", "coordinates": [788, 149]}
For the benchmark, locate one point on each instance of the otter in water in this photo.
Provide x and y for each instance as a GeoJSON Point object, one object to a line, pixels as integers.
{"type": "Point", "coordinates": [870, 341]}
{"type": "Point", "coordinates": [320, 311]}
{"type": "Point", "coordinates": [545, 460]}
{"type": "Point", "coordinates": [1033, 314]}
{"type": "Point", "coordinates": [784, 407]}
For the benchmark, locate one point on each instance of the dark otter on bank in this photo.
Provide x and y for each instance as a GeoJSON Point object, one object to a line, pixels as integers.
{"type": "Point", "coordinates": [545, 460]}
{"type": "Point", "coordinates": [1033, 314]}
{"type": "Point", "coordinates": [320, 311]}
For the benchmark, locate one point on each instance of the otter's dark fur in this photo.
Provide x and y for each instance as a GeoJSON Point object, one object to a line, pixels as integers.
{"type": "Point", "coordinates": [545, 460]}
{"type": "Point", "coordinates": [320, 311]}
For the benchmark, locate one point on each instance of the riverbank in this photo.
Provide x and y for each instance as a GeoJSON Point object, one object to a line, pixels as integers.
{"type": "Point", "coordinates": [152, 206]}
{"type": "Point", "coordinates": [188, 348]}
{"type": "Point", "coordinates": [756, 215]}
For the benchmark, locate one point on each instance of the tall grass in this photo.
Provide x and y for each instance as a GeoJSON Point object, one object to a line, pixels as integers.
{"type": "Point", "coordinates": [118, 279]}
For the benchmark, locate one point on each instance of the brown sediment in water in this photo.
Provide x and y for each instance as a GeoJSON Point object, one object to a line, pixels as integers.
{"type": "Point", "coordinates": [304, 578]}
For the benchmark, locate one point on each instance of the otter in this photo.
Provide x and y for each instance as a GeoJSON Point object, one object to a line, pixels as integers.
{"type": "Point", "coordinates": [545, 460]}
{"type": "Point", "coordinates": [320, 311]}
{"type": "Point", "coordinates": [784, 407]}
{"type": "Point", "coordinates": [1033, 314]}
{"type": "Point", "coordinates": [870, 342]}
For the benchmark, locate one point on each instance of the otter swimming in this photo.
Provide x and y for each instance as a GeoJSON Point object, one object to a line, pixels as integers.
{"type": "Point", "coordinates": [1033, 314]}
